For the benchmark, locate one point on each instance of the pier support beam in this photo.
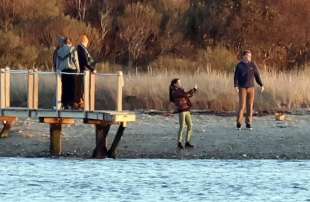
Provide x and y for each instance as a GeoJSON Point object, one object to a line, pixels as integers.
{"type": "Point", "coordinates": [101, 150]}
{"type": "Point", "coordinates": [117, 139]}
{"type": "Point", "coordinates": [7, 122]}
{"type": "Point", "coordinates": [56, 136]}
{"type": "Point", "coordinates": [55, 140]}
{"type": "Point", "coordinates": [102, 130]}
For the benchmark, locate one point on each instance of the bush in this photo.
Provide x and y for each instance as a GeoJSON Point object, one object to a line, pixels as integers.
{"type": "Point", "coordinates": [217, 59]}
{"type": "Point", "coordinates": [139, 34]}
{"type": "Point", "coordinates": [170, 63]}
{"type": "Point", "coordinates": [13, 47]}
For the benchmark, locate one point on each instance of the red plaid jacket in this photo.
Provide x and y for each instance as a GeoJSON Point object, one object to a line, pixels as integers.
{"type": "Point", "coordinates": [181, 99]}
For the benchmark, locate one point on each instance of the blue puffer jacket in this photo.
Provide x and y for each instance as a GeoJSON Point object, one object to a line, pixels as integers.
{"type": "Point", "coordinates": [67, 58]}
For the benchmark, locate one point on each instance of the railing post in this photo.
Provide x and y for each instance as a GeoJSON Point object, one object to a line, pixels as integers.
{"type": "Point", "coordinates": [120, 85]}
{"type": "Point", "coordinates": [7, 86]}
{"type": "Point", "coordinates": [35, 89]}
{"type": "Point", "coordinates": [58, 90]}
{"type": "Point", "coordinates": [92, 91]}
{"type": "Point", "coordinates": [30, 89]}
{"type": "Point", "coordinates": [2, 88]}
{"type": "Point", "coordinates": [86, 90]}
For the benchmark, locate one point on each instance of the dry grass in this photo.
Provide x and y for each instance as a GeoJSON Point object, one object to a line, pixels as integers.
{"type": "Point", "coordinates": [283, 91]}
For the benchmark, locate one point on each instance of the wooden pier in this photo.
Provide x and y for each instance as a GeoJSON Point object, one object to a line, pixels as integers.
{"type": "Point", "coordinates": [56, 117]}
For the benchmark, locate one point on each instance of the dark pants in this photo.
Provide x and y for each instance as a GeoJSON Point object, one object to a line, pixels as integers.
{"type": "Point", "coordinates": [68, 88]}
{"type": "Point", "coordinates": [79, 92]}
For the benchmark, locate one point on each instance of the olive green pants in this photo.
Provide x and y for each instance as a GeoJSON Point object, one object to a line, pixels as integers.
{"type": "Point", "coordinates": [185, 118]}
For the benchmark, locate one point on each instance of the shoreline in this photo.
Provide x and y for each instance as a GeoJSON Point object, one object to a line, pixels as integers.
{"type": "Point", "coordinates": [154, 137]}
{"type": "Point", "coordinates": [299, 112]}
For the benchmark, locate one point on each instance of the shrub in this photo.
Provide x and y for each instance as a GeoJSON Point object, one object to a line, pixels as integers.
{"type": "Point", "coordinates": [139, 34]}
{"type": "Point", "coordinates": [217, 59]}
{"type": "Point", "coordinates": [13, 47]}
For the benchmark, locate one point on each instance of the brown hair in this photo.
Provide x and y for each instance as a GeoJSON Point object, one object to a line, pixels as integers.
{"type": "Point", "coordinates": [246, 52]}
{"type": "Point", "coordinates": [67, 41]}
{"type": "Point", "coordinates": [171, 88]}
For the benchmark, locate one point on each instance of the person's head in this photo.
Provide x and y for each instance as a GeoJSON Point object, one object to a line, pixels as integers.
{"type": "Point", "coordinates": [247, 55]}
{"type": "Point", "coordinates": [61, 41]}
{"type": "Point", "coordinates": [84, 40]}
{"type": "Point", "coordinates": [67, 41]}
{"type": "Point", "coordinates": [175, 83]}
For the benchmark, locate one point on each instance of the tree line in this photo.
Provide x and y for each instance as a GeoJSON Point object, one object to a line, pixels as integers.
{"type": "Point", "coordinates": [184, 34]}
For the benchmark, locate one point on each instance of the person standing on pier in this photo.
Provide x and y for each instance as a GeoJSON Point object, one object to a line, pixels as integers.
{"type": "Point", "coordinates": [86, 62]}
{"type": "Point", "coordinates": [181, 99]}
{"type": "Point", "coordinates": [245, 73]}
{"type": "Point", "coordinates": [68, 63]}
{"type": "Point", "coordinates": [59, 45]}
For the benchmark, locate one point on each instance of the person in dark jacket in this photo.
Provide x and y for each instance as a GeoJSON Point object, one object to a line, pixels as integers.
{"type": "Point", "coordinates": [181, 99]}
{"type": "Point", "coordinates": [86, 62]}
{"type": "Point", "coordinates": [245, 73]}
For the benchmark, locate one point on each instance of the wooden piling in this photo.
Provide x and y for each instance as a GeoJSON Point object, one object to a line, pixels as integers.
{"type": "Point", "coordinates": [102, 131]}
{"type": "Point", "coordinates": [117, 138]}
{"type": "Point", "coordinates": [55, 140]}
{"type": "Point", "coordinates": [56, 137]}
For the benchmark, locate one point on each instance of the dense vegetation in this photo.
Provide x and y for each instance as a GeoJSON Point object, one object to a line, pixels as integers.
{"type": "Point", "coordinates": [176, 34]}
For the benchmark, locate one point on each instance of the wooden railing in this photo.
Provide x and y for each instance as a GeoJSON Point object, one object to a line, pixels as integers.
{"type": "Point", "coordinates": [33, 88]}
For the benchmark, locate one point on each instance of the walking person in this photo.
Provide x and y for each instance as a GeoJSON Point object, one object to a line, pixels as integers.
{"type": "Point", "coordinates": [86, 62]}
{"type": "Point", "coordinates": [67, 63]}
{"type": "Point", "coordinates": [181, 99]}
{"type": "Point", "coordinates": [245, 73]}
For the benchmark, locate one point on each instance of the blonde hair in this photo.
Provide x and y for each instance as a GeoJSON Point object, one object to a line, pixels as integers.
{"type": "Point", "coordinates": [84, 39]}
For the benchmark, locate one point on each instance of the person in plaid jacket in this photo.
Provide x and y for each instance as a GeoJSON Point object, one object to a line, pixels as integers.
{"type": "Point", "coordinates": [181, 99]}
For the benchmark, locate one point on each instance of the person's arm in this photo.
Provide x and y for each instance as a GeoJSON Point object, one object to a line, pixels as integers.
{"type": "Point", "coordinates": [257, 76]}
{"type": "Point", "coordinates": [236, 79]}
{"type": "Point", "coordinates": [76, 59]}
{"type": "Point", "coordinates": [191, 92]}
{"type": "Point", "coordinates": [90, 63]}
{"type": "Point", "coordinates": [236, 76]}
{"type": "Point", "coordinates": [83, 56]}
